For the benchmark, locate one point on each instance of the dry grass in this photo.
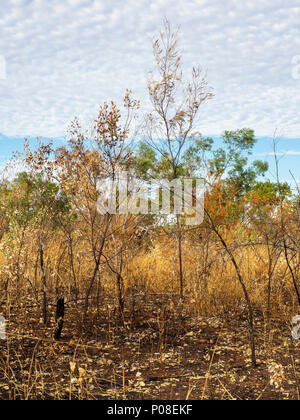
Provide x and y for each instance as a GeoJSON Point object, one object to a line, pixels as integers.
{"type": "Point", "coordinates": [165, 348]}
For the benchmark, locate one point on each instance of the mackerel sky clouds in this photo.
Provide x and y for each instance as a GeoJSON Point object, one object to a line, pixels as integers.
{"type": "Point", "coordinates": [66, 57]}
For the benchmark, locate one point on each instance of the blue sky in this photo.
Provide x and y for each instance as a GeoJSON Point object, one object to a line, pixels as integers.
{"type": "Point", "coordinates": [288, 152]}
{"type": "Point", "coordinates": [66, 57]}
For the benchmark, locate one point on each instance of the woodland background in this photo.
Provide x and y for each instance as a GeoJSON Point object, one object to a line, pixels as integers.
{"type": "Point", "coordinates": [138, 306]}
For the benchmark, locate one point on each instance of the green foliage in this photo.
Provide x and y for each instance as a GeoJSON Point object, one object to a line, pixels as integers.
{"type": "Point", "coordinates": [145, 161]}
{"type": "Point", "coordinates": [231, 161]}
{"type": "Point", "coordinates": [271, 192]}
{"type": "Point", "coordinates": [148, 164]}
{"type": "Point", "coordinates": [30, 200]}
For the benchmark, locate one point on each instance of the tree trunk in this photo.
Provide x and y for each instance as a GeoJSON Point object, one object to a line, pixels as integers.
{"type": "Point", "coordinates": [59, 318]}
{"type": "Point", "coordinates": [44, 283]}
{"type": "Point", "coordinates": [242, 283]}
{"type": "Point", "coordinates": [180, 255]}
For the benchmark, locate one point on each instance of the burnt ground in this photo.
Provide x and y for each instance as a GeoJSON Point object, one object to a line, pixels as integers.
{"type": "Point", "coordinates": [149, 357]}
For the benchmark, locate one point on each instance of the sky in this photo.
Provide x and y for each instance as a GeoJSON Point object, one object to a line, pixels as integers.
{"type": "Point", "coordinates": [64, 58]}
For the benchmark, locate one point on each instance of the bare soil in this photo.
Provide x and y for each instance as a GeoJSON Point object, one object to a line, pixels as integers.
{"type": "Point", "coordinates": [150, 356]}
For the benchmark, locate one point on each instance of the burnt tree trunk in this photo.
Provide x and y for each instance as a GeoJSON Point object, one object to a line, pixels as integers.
{"type": "Point", "coordinates": [59, 318]}
{"type": "Point", "coordinates": [44, 283]}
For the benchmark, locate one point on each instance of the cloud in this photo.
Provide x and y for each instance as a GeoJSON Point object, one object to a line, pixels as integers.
{"type": "Point", "coordinates": [281, 153]}
{"type": "Point", "coordinates": [66, 58]}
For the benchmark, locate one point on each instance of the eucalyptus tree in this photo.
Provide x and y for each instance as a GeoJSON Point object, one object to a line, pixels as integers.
{"type": "Point", "coordinates": [172, 124]}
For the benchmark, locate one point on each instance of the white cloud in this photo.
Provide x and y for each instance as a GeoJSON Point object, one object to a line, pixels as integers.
{"type": "Point", "coordinates": [66, 58]}
{"type": "Point", "coordinates": [281, 153]}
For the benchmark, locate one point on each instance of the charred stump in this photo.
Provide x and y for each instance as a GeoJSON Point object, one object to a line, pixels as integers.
{"type": "Point", "coordinates": [59, 318]}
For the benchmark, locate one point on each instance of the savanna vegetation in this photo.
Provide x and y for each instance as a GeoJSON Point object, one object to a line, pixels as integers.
{"type": "Point", "coordinates": [146, 306]}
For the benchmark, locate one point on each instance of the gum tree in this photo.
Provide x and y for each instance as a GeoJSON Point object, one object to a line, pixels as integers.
{"type": "Point", "coordinates": [171, 126]}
